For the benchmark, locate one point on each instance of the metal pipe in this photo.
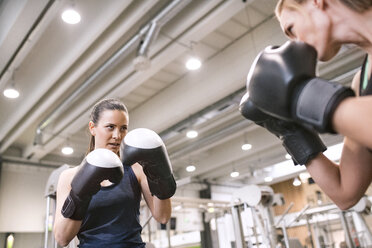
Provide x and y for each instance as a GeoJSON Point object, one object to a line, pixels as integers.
{"type": "Point", "coordinates": [161, 19]}
{"type": "Point", "coordinates": [238, 229]}
{"type": "Point", "coordinates": [284, 213]}
{"type": "Point", "coordinates": [299, 215]}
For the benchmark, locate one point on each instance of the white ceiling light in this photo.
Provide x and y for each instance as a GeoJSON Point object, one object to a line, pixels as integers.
{"type": "Point", "coordinates": [67, 150]}
{"type": "Point", "coordinates": [234, 174]}
{"type": "Point", "coordinates": [193, 64]}
{"type": "Point", "coordinates": [178, 207]}
{"type": "Point", "coordinates": [268, 179]}
{"type": "Point", "coordinates": [246, 147]}
{"type": "Point", "coordinates": [190, 168]}
{"type": "Point", "coordinates": [11, 92]}
{"type": "Point", "coordinates": [71, 16]}
{"type": "Point", "coordinates": [296, 182]}
{"type": "Point", "coordinates": [191, 134]}
{"type": "Point", "coordinates": [304, 176]}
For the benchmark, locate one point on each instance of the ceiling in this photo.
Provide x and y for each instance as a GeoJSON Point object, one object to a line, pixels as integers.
{"type": "Point", "coordinates": [61, 70]}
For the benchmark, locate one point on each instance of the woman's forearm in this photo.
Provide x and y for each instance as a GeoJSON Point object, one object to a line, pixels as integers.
{"type": "Point", "coordinates": [162, 210]}
{"type": "Point", "coordinates": [346, 183]}
{"type": "Point", "coordinates": [65, 230]}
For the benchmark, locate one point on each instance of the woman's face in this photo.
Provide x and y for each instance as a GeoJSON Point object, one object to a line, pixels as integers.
{"type": "Point", "coordinates": [309, 23]}
{"type": "Point", "coordinates": [110, 129]}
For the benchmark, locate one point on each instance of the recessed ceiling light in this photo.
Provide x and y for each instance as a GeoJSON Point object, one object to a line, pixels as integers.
{"type": "Point", "coordinates": [190, 168]}
{"type": "Point", "coordinates": [191, 134]}
{"type": "Point", "coordinates": [234, 174]}
{"type": "Point", "coordinates": [71, 16]}
{"type": "Point", "coordinates": [67, 150]}
{"type": "Point", "coordinates": [246, 147]}
{"type": "Point", "coordinates": [193, 64]}
{"type": "Point", "coordinates": [11, 93]}
{"type": "Point", "coordinates": [268, 179]}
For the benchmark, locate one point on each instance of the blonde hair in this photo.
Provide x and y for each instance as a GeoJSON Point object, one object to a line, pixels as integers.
{"type": "Point", "coordinates": [356, 5]}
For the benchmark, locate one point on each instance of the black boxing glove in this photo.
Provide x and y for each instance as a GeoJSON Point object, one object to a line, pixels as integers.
{"type": "Point", "coordinates": [301, 143]}
{"type": "Point", "coordinates": [100, 164]}
{"type": "Point", "coordinates": [145, 147]}
{"type": "Point", "coordinates": [282, 83]}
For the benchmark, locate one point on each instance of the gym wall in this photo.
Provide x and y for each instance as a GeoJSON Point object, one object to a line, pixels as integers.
{"type": "Point", "coordinates": [22, 201]}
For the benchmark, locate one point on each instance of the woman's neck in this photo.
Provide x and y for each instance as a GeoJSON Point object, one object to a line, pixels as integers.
{"type": "Point", "coordinates": [351, 26]}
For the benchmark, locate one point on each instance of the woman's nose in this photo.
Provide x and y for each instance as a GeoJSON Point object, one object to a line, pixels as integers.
{"type": "Point", "coordinates": [116, 134]}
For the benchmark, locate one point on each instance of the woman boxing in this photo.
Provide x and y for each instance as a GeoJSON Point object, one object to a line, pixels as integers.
{"type": "Point", "coordinates": [99, 200]}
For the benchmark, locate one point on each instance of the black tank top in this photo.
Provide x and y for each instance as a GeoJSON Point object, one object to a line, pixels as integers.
{"type": "Point", "coordinates": [113, 216]}
{"type": "Point", "coordinates": [365, 85]}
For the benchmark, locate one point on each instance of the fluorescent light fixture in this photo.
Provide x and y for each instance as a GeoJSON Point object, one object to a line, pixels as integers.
{"type": "Point", "coordinates": [71, 16]}
{"type": "Point", "coordinates": [246, 147]}
{"type": "Point", "coordinates": [67, 150]}
{"type": "Point", "coordinates": [190, 168]}
{"type": "Point", "coordinates": [234, 174]}
{"type": "Point", "coordinates": [11, 93]}
{"type": "Point", "coordinates": [191, 134]}
{"type": "Point", "coordinates": [193, 64]}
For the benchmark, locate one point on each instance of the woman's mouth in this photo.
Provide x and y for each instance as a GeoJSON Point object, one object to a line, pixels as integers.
{"type": "Point", "coordinates": [114, 145]}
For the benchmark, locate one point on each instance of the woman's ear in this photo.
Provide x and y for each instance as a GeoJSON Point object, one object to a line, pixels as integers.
{"type": "Point", "coordinates": [92, 128]}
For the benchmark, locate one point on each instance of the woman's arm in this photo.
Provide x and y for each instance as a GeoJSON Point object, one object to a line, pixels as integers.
{"type": "Point", "coordinates": [353, 119]}
{"type": "Point", "coordinates": [346, 183]}
{"type": "Point", "coordinates": [161, 210]}
{"type": "Point", "coordinates": [64, 229]}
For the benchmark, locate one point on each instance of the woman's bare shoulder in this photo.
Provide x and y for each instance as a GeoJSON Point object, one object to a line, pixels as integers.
{"type": "Point", "coordinates": [67, 175]}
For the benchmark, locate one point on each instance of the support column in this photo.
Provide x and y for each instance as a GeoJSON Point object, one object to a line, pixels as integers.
{"type": "Point", "coordinates": [205, 235]}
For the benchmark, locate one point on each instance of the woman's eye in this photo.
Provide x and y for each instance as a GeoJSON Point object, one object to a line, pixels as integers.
{"type": "Point", "coordinates": [123, 129]}
{"type": "Point", "coordinates": [289, 31]}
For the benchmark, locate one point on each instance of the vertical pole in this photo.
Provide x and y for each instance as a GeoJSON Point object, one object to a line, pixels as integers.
{"type": "Point", "coordinates": [168, 234]}
{"type": "Point", "coordinates": [309, 231]}
{"type": "Point", "coordinates": [285, 234]}
{"type": "Point", "coordinates": [216, 221]}
{"type": "Point", "coordinates": [361, 226]}
{"type": "Point", "coordinates": [47, 223]}
{"type": "Point", "coordinates": [348, 239]}
{"type": "Point", "coordinates": [238, 229]}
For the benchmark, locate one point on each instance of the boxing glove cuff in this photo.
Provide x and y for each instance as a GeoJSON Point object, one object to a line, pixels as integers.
{"type": "Point", "coordinates": [303, 145]}
{"type": "Point", "coordinates": [162, 188]}
{"type": "Point", "coordinates": [317, 102]}
{"type": "Point", "coordinates": [75, 207]}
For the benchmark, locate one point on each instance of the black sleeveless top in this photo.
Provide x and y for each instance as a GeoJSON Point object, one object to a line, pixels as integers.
{"type": "Point", "coordinates": [365, 85]}
{"type": "Point", "coordinates": [112, 219]}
